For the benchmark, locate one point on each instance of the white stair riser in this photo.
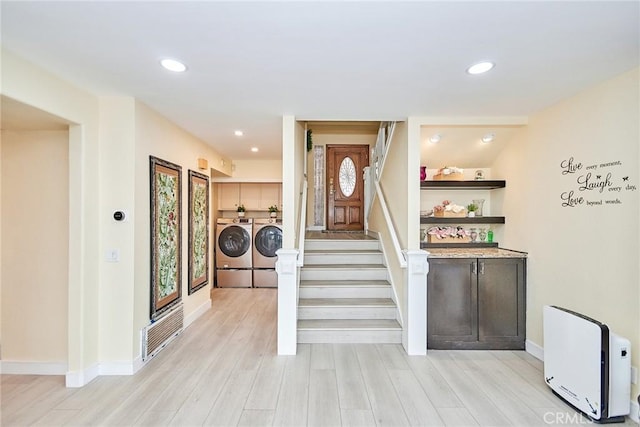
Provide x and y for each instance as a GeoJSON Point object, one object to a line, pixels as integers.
{"type": "Point", "coordinates": [338, 245]}
{"type": "Point", "coordinates": [346, 312]}
{"type": "Point", "coordinates": [355, 258]}
{"type": "Point", "coordinates": [349, 336]}
{"type": "Point", "coordinates": [345, 291]}
{"type": "Point", "coordinates": [329, 274]}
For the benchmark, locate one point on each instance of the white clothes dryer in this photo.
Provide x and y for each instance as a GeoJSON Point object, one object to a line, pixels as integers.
{"type": "Point", "coordinates": [233, 252]}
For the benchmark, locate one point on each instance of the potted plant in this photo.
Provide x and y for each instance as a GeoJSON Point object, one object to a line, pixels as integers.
{"type": "Point", "coordinates": [273, 211]}
{"type": "Point", "coordinates": [471, 208]}
{"type": "Point", "coordinates": [241, 211]}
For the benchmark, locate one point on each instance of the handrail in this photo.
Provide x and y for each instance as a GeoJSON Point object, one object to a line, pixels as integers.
{"type": "Point", "coordinates": [302, 225]}
{"type": "Point", "coordinates": [392, 229]}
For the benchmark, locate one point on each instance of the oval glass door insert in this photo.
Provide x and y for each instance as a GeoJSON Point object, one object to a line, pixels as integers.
{"type": "Point", "coordinates": [347, 176]}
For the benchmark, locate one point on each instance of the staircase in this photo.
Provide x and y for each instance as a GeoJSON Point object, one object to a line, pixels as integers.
{"type": "Point", "coordinates": [344, 294]}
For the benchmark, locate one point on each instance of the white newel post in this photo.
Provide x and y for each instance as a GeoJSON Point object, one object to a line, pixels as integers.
{"type": "Point", "coordinates": [414, 336]}
{"type": "Point", "coordinates": [287, 270]}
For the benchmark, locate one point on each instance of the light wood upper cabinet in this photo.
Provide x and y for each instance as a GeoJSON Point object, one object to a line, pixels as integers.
{"type": "Point", "coordinates": [253, 195]}
{"type": "Point", "coordinates": [270, 195]}
{"type": "Point", "coordinates": [250, 196]}
{"type": "Point", "coordinates": [228, 196]}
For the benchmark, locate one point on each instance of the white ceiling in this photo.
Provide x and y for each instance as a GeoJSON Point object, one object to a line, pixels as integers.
{"type": "Point", "coordinates": [252, 62]}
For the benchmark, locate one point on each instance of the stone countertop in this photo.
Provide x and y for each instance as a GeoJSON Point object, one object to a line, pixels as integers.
{"type": "Point", "coordinates": [474, 253]}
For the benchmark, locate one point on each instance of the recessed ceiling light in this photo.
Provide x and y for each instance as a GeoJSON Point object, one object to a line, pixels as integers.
{"type": "Point", "coordinates": [435, 138]}
{"type": "Point", "coordinates": [488, 137]}
{"type": "Point", "coordinates": [173, 65]}
{"type": "Point", "coordinates": [480, 67]}
{"type": "Point", "coordinates": [254, 149]}
{"type": "Point", "coordinates": [238, 133]}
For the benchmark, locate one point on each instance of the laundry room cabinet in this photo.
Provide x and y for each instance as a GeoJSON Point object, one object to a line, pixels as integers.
{"type": "Point", "coordinates": [255, 196]}
{"type": "Point", "coordinates": [476, 303]}
{"type": "Point", "coordinates": [228, 196]}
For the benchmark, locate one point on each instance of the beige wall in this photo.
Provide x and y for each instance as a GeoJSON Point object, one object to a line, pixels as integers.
{"type": "Point", "coordinates": [157, 136]}
{"type": "Point", "coordinates": [117, 173]}
{"type": "Point", "coordinates": [396, 193]}
{"type": "Point", "coordinates": [30, 85]}
{"type": "Point", "coordinates": [293, 137]}
{"type": "Point", "coordinates": [584, 258]}
{"type": "Point", "coordinates": [255, 171]}
{"type": "Point", "coordinates": [35, 230]}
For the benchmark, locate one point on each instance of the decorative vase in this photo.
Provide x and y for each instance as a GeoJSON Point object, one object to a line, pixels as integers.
{"type": "Point", "coordinates": [471, 214]}
{"type": "Point", "coordinates": [478, 203]}
{"type": "Point", "coordinates": [423, 173]}
{"type": "Point", "coordinates": [273, 214]}
{"type": "Point", "coordinates": [240, 214]}
{"type": "Point", "coordinates": [482, 235]}
{"type": "Point", "coordinates": [473, 234]}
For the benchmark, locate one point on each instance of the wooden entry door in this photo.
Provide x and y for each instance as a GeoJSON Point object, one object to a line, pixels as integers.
{"type": "Point", "coordinates": [345, 185]}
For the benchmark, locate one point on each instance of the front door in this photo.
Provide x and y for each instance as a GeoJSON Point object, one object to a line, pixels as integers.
{"type": "Point", "coordinates": [345, 184]}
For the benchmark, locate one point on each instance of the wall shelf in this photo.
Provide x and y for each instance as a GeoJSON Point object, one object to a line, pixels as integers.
{"type": "Point", "coordinates": [462, 220]}
{"type": "Point", "coordinates": [425, 245]}
{"type": "Point", "coordinates": [480, 184]}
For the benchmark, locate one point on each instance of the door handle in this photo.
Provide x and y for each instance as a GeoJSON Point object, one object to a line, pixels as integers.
{"type": "Point", "coordinates": [331, 191]}
{"type": "Point", "coordinates": [474, 267]}
{"type": "Point", "coordinates": [481, 267]}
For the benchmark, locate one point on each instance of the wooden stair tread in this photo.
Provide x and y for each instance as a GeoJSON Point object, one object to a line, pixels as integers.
{"type": "Point", "coordinates": [348, 324]}
{"type": "Point", "coordinates": [346, 302]}
{"type": "Point", "coordinates": [344, 283]}
{"type": "Point", "coordinates": [343, 251]}
{"type": "Point", "coordinates": [343, 266]}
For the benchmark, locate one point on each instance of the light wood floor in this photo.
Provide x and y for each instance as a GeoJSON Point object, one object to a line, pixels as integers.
{"type": "Point", "coordinates": [223, 370]}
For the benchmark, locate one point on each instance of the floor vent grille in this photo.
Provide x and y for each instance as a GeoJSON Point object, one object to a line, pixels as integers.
{"type": "Point", "coordinates": [158, 334]}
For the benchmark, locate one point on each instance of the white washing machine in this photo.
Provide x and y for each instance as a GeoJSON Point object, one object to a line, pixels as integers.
{"type": "Point", "coordinates": [233, 252]}
{"type": "Point", "coordinates": [267, 239]}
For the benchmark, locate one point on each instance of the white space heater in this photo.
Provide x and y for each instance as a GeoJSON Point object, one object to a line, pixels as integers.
{"type": "Point", "coordinates": [586, 365]}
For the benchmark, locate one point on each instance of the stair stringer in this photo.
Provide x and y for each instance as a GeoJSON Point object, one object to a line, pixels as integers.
{"type": "Point", "coordinates": [385, 259]}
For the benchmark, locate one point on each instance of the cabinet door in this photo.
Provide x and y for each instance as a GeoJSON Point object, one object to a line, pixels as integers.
{"type": "Point", "coordinates": [269, 195]}
{"type": "Point", "coordinates": [452, 316]}
{"type": "Point", "coordinates": [501, 302]}
{"type": "Point", "coordinates": [228, 196]}
{"type": "Point", "coordinates": [250, 196]}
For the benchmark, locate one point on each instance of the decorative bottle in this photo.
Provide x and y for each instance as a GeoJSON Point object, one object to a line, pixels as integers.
{"type": "Point", "coordinates": [490, 236]}
{"type": "Point", "coordinates": [423, 173]}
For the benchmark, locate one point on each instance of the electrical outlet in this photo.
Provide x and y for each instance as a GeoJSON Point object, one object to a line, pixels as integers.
{"type": "Point", "coordinates": [112, 255]}
{"type": "Point", "coordinates": [634, 377]}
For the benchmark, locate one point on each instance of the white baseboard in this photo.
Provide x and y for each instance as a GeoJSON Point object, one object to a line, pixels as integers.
{"type": "Point", "coordinates": [121, 368]}
{"type": "Point", "coordinates": [316, 228]}
{"type": "Point", "coordinates": [81, 378]}
{"type": "Point", "coordinates": [32, 368]}
{"type": "Point", "coordinates": [534, 349]}
{"type": "Point", "coordinates": [203, 308]}
{"type": "Point", "coordinates": [635, 412]}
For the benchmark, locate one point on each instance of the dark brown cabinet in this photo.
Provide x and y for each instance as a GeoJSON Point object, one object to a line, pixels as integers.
{"type": "Point", "coordinates": [476, 303]}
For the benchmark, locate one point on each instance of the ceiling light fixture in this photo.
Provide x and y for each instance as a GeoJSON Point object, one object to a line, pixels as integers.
{"type": "Point", "coordinates": [488, 137]}
{"type": "Point", "coordinates": [435, 138]}
{"type": "Point", "coordinates": [173, 65]}
{"type": "Point", "coordinates": [480, 67]}
{"type": "Point", "coordinates": [254, 149]}
{"type": "Point", "coordinates": [238, 133]}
